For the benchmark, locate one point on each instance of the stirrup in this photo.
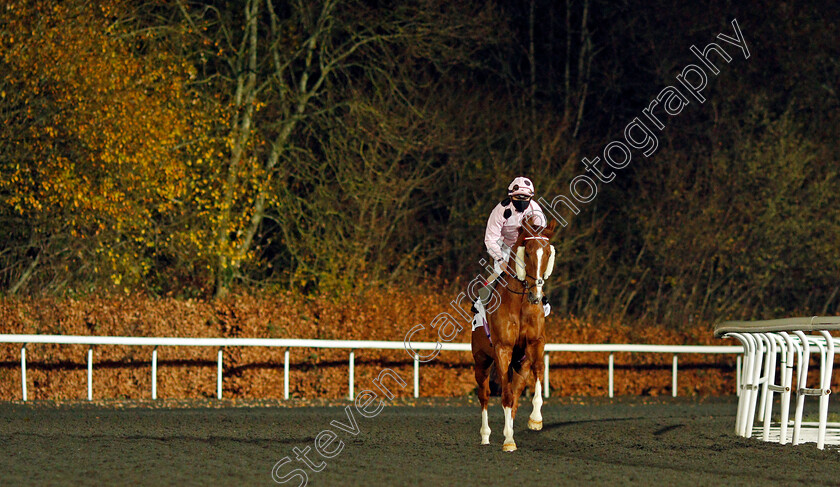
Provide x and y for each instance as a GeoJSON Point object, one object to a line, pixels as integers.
{"type": "Point", "coordinates": [485, 292]}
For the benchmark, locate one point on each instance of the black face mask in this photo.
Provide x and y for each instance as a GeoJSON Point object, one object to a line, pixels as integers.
{"type": "Point", "coordinates": [520, 206]}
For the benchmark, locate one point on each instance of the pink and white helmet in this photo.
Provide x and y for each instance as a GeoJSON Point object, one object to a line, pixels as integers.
{"type": "Point", "coordinates": [521, 185]}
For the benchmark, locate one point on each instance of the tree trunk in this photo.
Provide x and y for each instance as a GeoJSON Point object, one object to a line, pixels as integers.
{"type": "Point", "coordinates": [26, 275]}
{"type": "Point", "coordinates": [245, 99]}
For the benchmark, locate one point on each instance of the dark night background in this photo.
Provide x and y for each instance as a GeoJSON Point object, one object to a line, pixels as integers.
{"type": "Point", "coordinates": [190, 149]}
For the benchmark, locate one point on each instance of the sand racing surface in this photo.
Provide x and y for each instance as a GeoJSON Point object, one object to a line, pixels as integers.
{"type": "Point", "coordinates": [626, 441]}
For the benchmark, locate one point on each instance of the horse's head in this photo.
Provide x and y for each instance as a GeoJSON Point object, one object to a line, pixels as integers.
{"type": "Point", "coordinates": [534, 257]}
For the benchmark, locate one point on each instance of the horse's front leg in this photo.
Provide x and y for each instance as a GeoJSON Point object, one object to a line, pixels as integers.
{"type": "Point", "coordinates": [503, 357]}
{"type": "Point", "coordinates": [535, 421]}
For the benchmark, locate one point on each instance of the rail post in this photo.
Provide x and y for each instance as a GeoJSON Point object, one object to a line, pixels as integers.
{"type": "Point", "coordinates": [154, 373]}
{"type": "Point", "coordinates": [352, 373]}
{"type": "Point", "coordinates": [545, 376]}
{"type": "Point", "coordinates": [219, 376]}
{"type": "Point", "coordinates": [416, 377]}
{"type": "Point", "coordinates": [674, 378]}
{"type": "Point", "coordinates": [611, 367]}
{"type": "Point", "coordinates": [90, 373]}
{"type": "Point", "coordinates": [286, 374]}
{"type": "Point", "coordinates": [23, 370]}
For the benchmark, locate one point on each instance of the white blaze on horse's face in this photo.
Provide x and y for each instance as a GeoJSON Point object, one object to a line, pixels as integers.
{"type": "Point", "coordinates": [540, 275]}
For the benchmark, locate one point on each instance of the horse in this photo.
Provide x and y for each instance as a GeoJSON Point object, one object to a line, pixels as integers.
{"type": "Point", "coordinates": [517, 331]}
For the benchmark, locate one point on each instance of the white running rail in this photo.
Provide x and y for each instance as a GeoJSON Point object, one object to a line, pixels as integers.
{"type": "Point", "coordinates": [782, 344]}
{"type": "Point", "coordinates": [350, 345]}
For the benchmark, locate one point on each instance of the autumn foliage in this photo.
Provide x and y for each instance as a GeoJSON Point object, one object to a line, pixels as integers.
{"type": "Point", "coordinates": [99, 146]}
{"type": "Point", "coordinates": [188, 149]}
{"type": "Point", "coordinates": [59, 372]}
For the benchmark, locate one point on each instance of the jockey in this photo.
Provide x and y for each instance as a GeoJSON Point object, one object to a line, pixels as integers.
{"type": "Point", "coordinates": [502, 232]}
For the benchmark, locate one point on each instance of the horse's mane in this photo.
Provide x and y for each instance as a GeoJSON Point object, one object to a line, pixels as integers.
{"type": "Point", "coordinates": [530, 228]}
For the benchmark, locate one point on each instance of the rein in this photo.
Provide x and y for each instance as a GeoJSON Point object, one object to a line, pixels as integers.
{"type": "Point", "coordinates": [525, 285]}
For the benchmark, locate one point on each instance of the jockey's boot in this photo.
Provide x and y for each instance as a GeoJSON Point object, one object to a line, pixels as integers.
{"type": "Point", "coordinates": [485, 293]}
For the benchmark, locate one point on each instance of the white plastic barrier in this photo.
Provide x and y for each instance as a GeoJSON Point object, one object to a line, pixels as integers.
{"type": "Point", "coordinates": [350, 345]}
{"type": "Point", "coordinates": [784, 343]}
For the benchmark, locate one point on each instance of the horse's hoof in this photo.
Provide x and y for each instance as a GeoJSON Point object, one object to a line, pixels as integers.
{"type": "Point", "coordinates": [509, 447]}
{"type": "Point", "coordinates": [534, 425]}
{"type": "Point", "coordinates": [485, 441]}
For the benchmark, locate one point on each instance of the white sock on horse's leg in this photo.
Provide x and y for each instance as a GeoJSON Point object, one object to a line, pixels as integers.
{"type": "Point", "coordinates": [485, 428]}
{"type": "Point", "coordinates": [509, 444]}
{"type": "Point", "coordinates": [535, 420]}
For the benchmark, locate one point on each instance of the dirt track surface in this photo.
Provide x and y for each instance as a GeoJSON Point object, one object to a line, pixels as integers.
{"type": "Point", "coordinates": [628, 441]}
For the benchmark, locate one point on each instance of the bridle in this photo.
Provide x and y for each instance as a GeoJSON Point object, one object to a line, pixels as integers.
{"type": "Point", "coordinates": [525, 285]}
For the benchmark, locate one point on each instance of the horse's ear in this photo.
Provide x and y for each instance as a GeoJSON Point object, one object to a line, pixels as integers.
{"type": "Point", "coordinates": [549, 230]}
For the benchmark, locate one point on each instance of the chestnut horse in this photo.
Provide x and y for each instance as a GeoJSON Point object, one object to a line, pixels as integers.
{"type": "Point", "coordinates": [517, 331]}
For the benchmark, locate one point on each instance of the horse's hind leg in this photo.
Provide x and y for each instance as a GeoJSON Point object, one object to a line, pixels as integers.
{"type": "Point", "coordinates": [482, 378]}
{"type": "Point", "coordinates": [520, 376]}
{"type": "Point", "coordinates": [503, 355]}
{"type": "Point", "coordinates": [482, 356]}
